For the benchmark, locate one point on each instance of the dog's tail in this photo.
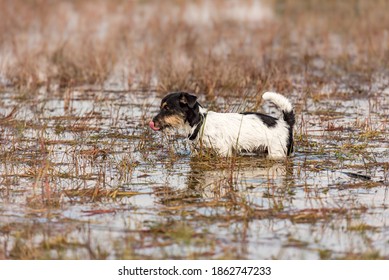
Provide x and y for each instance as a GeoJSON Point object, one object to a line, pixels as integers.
{"type": "Point", "coordinates": [282, 104]}
{"type": "Point", "coordinates": [286, 107]}
{"type": "Point", "coordinates": [279, 100]}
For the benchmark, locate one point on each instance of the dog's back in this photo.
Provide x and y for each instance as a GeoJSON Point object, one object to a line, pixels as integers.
{"type": "Point", "coordinates": [233, 132]}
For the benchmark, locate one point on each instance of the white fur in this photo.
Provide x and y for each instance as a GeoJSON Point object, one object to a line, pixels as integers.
{"type": "Point", "coordinates": [229, 132]}
{"type": "Point", "coordinates": [279, 100]}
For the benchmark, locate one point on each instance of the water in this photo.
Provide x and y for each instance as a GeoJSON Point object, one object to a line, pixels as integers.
{"type": "Point", "coordinates": [84, 177]}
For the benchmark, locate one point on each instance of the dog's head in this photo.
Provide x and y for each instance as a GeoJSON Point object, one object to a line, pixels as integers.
{"type": "Point", "coordinates": [178, 109]}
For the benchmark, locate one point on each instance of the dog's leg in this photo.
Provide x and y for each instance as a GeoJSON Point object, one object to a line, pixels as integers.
{"type": "Point", "coordinates": [276, 152]}
{"type": "Point", "coordinates": [276, 156]}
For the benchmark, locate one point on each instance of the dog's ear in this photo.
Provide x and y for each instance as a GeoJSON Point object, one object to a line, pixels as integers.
{"type": "Point", "coordinates": [189, 99]}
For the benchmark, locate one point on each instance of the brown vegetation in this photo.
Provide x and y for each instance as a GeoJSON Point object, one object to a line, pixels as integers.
{"type": "Point", "coordinates": [199, 46]}
{"type": "Point", "coordinates": [82, 176]}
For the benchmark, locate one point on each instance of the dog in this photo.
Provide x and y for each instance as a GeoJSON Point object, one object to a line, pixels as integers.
{"type": "Point", "coordinates": [227, 134]}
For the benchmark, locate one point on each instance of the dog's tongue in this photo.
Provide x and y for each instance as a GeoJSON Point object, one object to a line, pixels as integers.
{"type": "Point", "coordinates": [151, 124]}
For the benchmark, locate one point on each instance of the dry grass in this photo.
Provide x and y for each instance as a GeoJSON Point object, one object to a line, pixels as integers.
{"type": "Point", "coordinates": [79, 81]}
{"type": "Point", "coordinates": [200, 46]}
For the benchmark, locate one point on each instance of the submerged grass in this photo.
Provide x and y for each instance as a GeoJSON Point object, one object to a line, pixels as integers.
{"type": "Point", "coordinates": [79, 81]}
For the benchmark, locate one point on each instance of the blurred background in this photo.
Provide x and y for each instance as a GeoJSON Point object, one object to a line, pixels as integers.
{"type": "Point", "coordinates": [213, 47]}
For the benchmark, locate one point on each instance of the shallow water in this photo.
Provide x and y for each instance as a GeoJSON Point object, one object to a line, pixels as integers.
{"type": "Point", "coordinates": [84, 177]}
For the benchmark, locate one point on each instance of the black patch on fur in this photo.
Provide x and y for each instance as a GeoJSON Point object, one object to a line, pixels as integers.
{"type": "Point", "coordinates": [268, 120]}
{"type": "Point", "coordinates": [193, 115]}
{"type": "Point", "coordinates": [197, 130]}
{"type": "Point", "coordinates": [187, 98]}
{"type": "Point", "coordinates": [290, 120]}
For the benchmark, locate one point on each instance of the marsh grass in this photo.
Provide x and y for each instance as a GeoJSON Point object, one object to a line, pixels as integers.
{"type": "Point", "coordinates": [80, 80]}
{"type": "Point", "coordinates": [73, 43]}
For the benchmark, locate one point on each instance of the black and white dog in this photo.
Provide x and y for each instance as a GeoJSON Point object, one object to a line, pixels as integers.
{"type": "Point", "coordinates": [229, 133]}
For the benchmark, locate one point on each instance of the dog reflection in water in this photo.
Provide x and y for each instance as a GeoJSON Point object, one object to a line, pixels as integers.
{"type": "Point", "coordinates": [219, 183]}
{"type": "Point", "coordinates": [250, 176]}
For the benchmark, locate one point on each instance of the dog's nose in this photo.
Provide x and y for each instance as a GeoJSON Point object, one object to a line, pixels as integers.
{"type": "Point", "coordinates": [152, 126]}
